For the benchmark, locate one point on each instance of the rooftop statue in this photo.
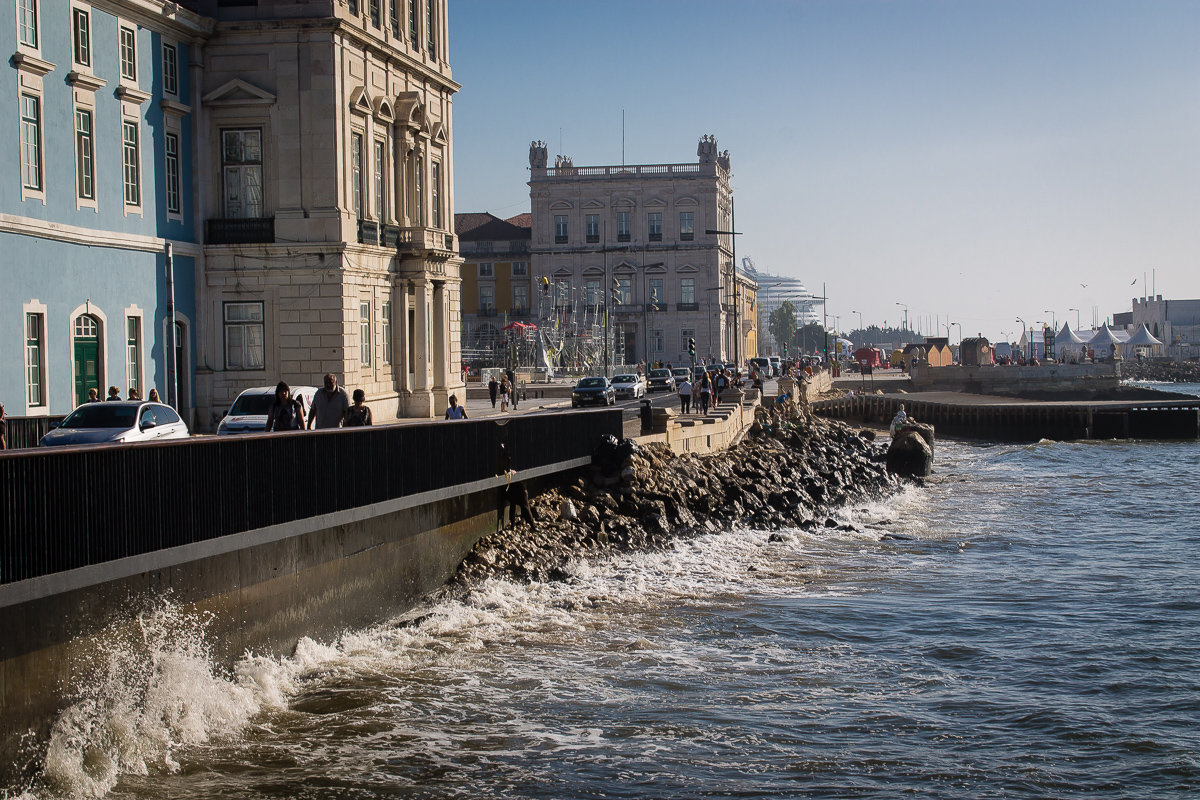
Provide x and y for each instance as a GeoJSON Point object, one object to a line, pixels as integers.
{"type": "Point", "coordinates": [537, 155]}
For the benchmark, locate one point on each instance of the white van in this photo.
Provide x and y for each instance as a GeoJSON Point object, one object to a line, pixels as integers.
{"type": "Point", "coordinates": [248, 414]}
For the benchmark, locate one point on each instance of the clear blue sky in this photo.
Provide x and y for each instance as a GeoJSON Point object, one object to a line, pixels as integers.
{"type": "Point", "coordinates": [975, 160]}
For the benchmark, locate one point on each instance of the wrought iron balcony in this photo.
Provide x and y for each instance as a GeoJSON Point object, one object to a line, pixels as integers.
{"type": "Point", "coordinates": [242, 230]}
{"type": "Point", "coordinates": [486, 311]}
{"type": "Point", "coordinates": [687, 306]}
{"type": "Point", "coordinates": [656, 306]}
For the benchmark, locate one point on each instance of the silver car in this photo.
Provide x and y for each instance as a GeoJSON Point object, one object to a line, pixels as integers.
{"type": "Point", "coordinates": [248, 414]}
{"type": "Point", "coordinates": [117, 421]}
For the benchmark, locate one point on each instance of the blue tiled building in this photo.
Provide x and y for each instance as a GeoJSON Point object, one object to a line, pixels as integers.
{"type": "Point", "coordinates": [95, 180]}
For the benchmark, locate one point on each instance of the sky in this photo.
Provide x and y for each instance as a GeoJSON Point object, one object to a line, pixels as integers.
{"type": "Point", "coordinates": [977, 161]}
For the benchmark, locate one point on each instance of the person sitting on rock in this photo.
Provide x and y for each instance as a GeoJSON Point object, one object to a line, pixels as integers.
{"type": "Point", "coordinates": [898, 421]}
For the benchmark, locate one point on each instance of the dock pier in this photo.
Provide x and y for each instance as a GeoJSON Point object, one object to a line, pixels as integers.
{"type": "Point", "coordinates": [1007, 419]}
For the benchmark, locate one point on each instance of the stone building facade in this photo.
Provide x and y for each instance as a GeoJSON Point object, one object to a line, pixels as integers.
{"type": "Point", "coordinates": [325, 182]}
{"type": "Point", "coordinates": [631, 239]}
{"type": "Point", "coordinates": [297, 156]}
{"type": "Point", "coordinates": [497, 284]}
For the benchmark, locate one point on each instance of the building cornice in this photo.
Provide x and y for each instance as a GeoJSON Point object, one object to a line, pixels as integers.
{"type": "Point", "coordinates": [73, 234]}
{"type": "Point", "coordinates": [162, 16]}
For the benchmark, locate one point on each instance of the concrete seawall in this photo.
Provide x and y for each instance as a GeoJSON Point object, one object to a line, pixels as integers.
{"type": "Point", "coordinates": [258, 590]}
{"type": "Point", "coordinates": [1079, 379]}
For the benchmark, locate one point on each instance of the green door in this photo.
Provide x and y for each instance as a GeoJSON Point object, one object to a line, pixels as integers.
{"type": "Point", "coordinates": [87, 357]}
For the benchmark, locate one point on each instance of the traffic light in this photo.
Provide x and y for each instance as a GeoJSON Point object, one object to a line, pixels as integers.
{"type": "Point", "coordinates": [692, 347]}
{"type": "Point", "coordinates": [785, 348]}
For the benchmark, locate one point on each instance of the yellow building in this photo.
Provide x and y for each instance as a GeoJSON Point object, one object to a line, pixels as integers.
{"type": "Point", "coordinates": [497, 289]}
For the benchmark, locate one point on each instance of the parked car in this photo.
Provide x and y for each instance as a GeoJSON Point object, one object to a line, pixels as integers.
{"type": "Point", "coordinates": [629, 386]}
{"type": "Point", "coordinates": [248, 414]}
{"type": "Point", "coordinates": [661, 380]}
{"type": "Point", "coordinates": [117, 421]}
{"type": "Point", "coordinates": [597, 391]}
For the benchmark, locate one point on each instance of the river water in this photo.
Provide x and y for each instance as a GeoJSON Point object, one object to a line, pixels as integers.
{"type": "Point", "coordinates": [1026, 626]}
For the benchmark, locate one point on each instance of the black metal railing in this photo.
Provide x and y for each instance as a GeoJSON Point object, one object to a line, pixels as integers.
{"type": "Point", "coordinates": [27, 431]}
{"type": "Point", "coordinates": [66, 508]}
{"type": "Point", "coordinates": [687, 306]}
{"type": "Point", "coordinates": [251, 230]}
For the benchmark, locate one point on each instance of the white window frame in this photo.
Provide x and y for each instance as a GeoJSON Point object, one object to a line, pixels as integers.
{"type": "Point", "coordinates": [135, 362]}
{"type": "Point", "coordinates": [81, 37]}
{"type": "Point", "coordinates": [357, 169]}
{"type": "Point", "coordinates": [562, 228]}
{"type": "Point", "coordinates": [520, 268]}
{"type": "Point", "coordinates": [379, 155]}
{"type": "Point", "coordinates": [364, 333]}
{"type": "Point", "coordinates": [385, 330]}
{"type": "Point", "coordinates": [487, 269]}
{"type": "Point", "coordinates": [488, 291]}
{"type": "Point", "coordinates": [684, 283]}
{"type": "Point", "coordinates": [127, 44]}
{"type": "Point", "coordinates": [657, 341]}
{"type": "Point", "coordinates": [36, 309]}
{"type": "Point", "coordinates": [520, 302]}
{"type": "Point", "coordinates": [245, 329]}
{"type": "Point", "coordinates": [131, 163]}
{"type": "Point", "coordinates": [33, 177]}
{"type": "Point", "coordinates": [247, 173]}
{"type": "Point", "coordinates": [687, 233]}
{"type": "Point", "coordinates": [170, 68]}
{"type": "Point", "coordinates": [173, 177]}
{"type": "Point", "coordinates": [85, 157]}
{"type": "Point", "coordinates": [435, 186]}
{"type": "Point", "coordinates": [29, 23]}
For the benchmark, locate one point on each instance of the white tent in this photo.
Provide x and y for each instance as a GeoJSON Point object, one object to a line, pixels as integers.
{"type": "Point", "coordinates": [1105, 342]}
{"type": "Point", "coordinates": [1143, 338]}
{"type": "Point", "coordinates": [1068, 344]}
{"type": "Point", "coordinates": [1143, 342]}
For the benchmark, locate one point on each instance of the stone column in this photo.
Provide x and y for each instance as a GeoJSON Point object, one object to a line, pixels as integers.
{"type": "Point", "coordinates": [421, 367]}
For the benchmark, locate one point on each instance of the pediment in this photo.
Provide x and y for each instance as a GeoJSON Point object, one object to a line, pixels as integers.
{"type": "Point", "coordinates": [624, 266]}
{"type": "Point", "coordinates": [238, 92]}
{"type": "Point", "coordinates": [593, 272]}
{"type": "Point", "coordinates": [593, 204]}
{"type": "Point", "coordinates": [656, 202]}
{"type": "Point", "coordinates": [439, 134]}
{"type": "Point", "coordinates": [687, 201]}
{"type": "Point", "coordinates": [659, 269]}
{"type": "Point", "coordinates": [562, 272]}
{"type": "Point", "coordinates": [383, 109]}
{"type": "Point", "coordinates": [623, 202]}
{"type": "Point", "coordinates": [409, 109]}
{"type": "Point", "coordinates": [360, 101]}
{"type": "Point", "coordinates": [561, 205]}
{"type": "Point", "coordinates": [686, 268]}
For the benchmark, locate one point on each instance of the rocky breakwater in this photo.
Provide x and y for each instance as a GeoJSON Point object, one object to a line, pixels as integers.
{"type": "Point", "coordinates": [1161, 371]}
{"type": "Point", "coordinates": [785, 473]}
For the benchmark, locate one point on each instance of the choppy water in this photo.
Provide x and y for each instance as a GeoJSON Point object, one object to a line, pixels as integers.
{"type": "Point", "coordinates": [1037, 636]}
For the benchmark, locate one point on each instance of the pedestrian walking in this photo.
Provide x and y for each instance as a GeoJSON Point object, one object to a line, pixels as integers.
{"type": "Point", "coordinates": [721, 383]}
{"type": "Point", "coordinates": [134, 394]}
{"type": "Point", "coordinates": [356, 415]}
{"type": "Point", "coordinates": [455, 411]}
{"type": "Point", "coordinates": [512, 388]}
{"type": "Point", "coordinates": [685, 396]}
{"type": "Point", "coordinates": [706, 388]}
{"type": "Point", "coordinates": [286, 413]}
{"type": "Point", "coordinates": [493, 388]}
{"type": "Point", "coordinates": [329, 405]}
{"type": "Point", "coordinates": [3, 437]}
{"type": "Point", "coordinates": [93, 395]}
{"type": "Point", "coordinates": [113, 394]}
{"type": "Point", "coordinates": [153, 396]}
{"type": "Point", "coordinates": [504, 390]}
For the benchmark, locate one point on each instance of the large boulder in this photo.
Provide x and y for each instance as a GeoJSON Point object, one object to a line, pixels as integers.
{"type": "Point", "coordinates": [910, 455]}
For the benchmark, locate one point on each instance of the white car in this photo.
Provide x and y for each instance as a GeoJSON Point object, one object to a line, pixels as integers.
{"type": "Point", "coordinates": [629, 386]}
{"type": "Point", "coordinates": [117, 421]}
{"type": "Point", "coordinates": [248, 414]}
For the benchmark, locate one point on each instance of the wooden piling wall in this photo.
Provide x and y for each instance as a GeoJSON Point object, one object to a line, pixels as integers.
{"type": "Point", "coordinates": [1027, 421]}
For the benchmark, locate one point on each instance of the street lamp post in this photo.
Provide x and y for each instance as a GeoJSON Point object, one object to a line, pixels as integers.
{"type": "Point", "coordinates": [860, 322]}
{"type": "Point", "coordinates": [1023, 329]}
{"type": "Point", "coordinates": [737, 333]}
{"type": "Point", "coordinates": [1076, 310]}
{"type": "Point", "coordinates": [905, 317]}
{"type": "Point", "coordinates": [646, 306]}
{"type": "Point", "coordinates": [1053, 320]}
